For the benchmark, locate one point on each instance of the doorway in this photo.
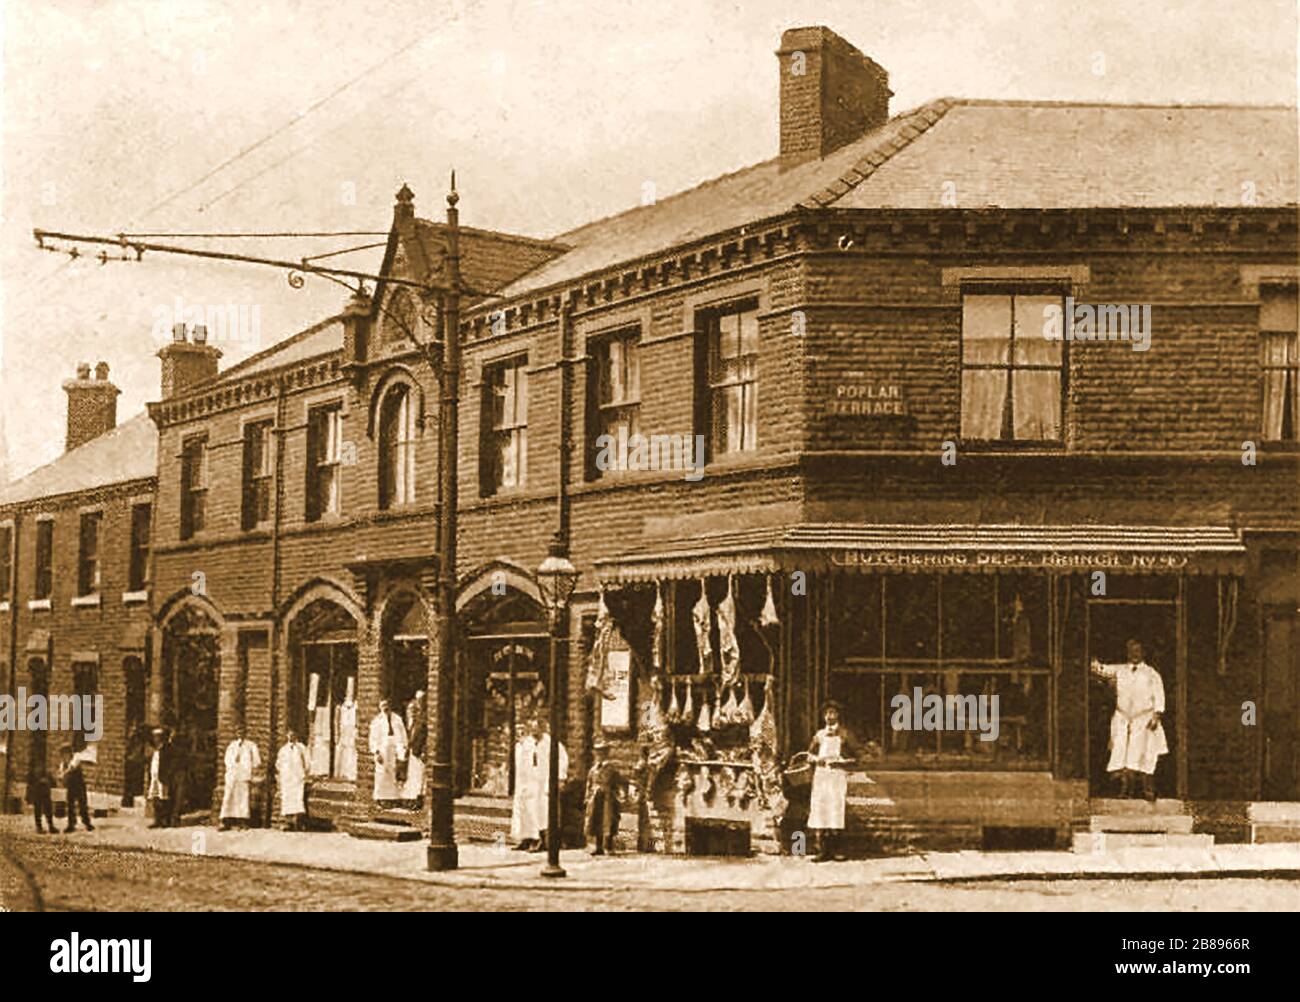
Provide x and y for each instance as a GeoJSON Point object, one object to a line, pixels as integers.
{"type": "Point", "coordinates": [1111, 623]}
{"type": "Point", "coordinates": [1281, 648]}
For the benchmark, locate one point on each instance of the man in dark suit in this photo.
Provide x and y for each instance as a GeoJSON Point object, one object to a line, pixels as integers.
{"type": "Point", "coordinates": [38, 795]}
{"type": "Point", "coordinates": [74, 782]}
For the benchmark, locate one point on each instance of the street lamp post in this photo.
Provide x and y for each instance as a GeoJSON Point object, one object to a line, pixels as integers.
{"type": "Point", "coordinates": [556, 579]}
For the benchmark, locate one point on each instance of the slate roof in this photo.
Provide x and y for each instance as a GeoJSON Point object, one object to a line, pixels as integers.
{"type": "Point", "coordinates": [128, 452]}
{"type": "Point", "coordinates": [1006, 154]}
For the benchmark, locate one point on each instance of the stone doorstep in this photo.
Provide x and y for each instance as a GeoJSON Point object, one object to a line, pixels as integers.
{"type": "Point", "coordinates": [1262, 834]}
{"type": "Point", "coordinates": [1100, 842]}
{"type": "Point", "coordinates": [1274, 812]}
{"type": "Point", "coordinates": [1119, 805]}
{"type": "Point", "coordinates": [1170, 824]}
{"type": "Point", "coordinates": [381, 831]}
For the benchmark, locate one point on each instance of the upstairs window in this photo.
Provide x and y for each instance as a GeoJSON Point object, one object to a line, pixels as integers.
{"type": "Point", "coordinates": [88, 559]}
{"type": "Point", "coordinates": [1011, 377]}
{"type": "Point", "coordinates": [731, 344]}
{"type": "Point", "coordinates": [137, 578]}
{"type": "Point", "coordinates": [44, 578]}
{"type": "Point", "coordinates": [258, 470]}
{"type": "Point", "coordinates": [6, 562]}
{"type": "Point", "coordinates": [504, 426]}
{"type": "Point", "coordinates": [614, 385]}
{"type": "Point", "coordinates": [397, 435]}
{"type": "Point", "coordinates": [1279, 363]}
{"type": "Point", "coordinates": [324, 461]}
{"type": "Point", "coordinates": [194, 485]}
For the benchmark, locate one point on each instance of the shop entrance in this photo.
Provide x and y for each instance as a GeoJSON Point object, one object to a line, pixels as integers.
{"type": "Point", "coordinates": [1111, 622]}
{"type": "Point", "coordinates": [191, 670]}
{"type": "Point", "coordinates": [504, 690]}
{"type": "Point", "coordinates": [1281, 704]}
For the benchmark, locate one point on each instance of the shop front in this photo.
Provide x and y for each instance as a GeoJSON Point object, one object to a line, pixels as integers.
{"type": "Point", "coordinates": [960, 656]}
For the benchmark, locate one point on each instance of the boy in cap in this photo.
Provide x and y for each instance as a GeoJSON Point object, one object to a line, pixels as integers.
{"type": "Point", "coordinates": [602, 806]}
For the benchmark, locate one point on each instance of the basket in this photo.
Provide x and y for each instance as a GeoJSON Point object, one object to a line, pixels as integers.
{"type": "Point", "coordinates": [800, 770]}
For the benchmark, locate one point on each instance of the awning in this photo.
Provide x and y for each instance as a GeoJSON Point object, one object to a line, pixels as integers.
{"type": "Point", "coordinates": [847, 547]}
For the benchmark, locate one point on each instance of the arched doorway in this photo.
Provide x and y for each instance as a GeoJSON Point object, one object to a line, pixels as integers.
{"type": "Point", "coordinates": [191, 674]}
{"type": "Point", "coordinates": [322, 698]}
{"type": "Point", "coordinates": [501, 685]}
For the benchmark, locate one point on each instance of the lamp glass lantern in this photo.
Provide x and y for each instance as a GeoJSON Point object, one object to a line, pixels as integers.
{"type": "Point", "coordinates": [556, 580]}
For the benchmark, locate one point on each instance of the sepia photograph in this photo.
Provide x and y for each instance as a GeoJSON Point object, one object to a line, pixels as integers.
{"type": "Point", "coordinates": [576, 456]}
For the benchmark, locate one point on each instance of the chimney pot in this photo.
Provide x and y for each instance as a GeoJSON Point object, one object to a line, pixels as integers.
{"type": "Point", "coordinates": [178, 332]}
{"type": "Point", "coordinates": [199, 333]}
{"type": "Point", "coordinates": [101, 371]}
{"type": "Point", "coordinates": [83, 370]}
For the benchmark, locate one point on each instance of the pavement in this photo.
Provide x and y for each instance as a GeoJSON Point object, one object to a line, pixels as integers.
{"type": "Point", "coordinates": [483, 865]}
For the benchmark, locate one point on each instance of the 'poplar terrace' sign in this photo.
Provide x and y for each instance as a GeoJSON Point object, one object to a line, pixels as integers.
{"type": "Point", "coordinates": [867, 398]}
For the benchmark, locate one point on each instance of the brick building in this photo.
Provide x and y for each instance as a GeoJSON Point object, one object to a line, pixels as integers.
{"type": "Point", "coordinates": [854, 467]}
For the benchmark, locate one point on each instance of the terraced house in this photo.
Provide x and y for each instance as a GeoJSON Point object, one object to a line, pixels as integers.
{"type": "Point", "coordinates": [902, 484]}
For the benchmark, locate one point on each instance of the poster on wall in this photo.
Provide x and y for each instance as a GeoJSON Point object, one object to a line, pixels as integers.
{"type": "Point", "coordinates": [616, 708]}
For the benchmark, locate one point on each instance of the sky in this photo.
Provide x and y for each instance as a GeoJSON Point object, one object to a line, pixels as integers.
{"type": "Point", "coordinates": [198, 116]}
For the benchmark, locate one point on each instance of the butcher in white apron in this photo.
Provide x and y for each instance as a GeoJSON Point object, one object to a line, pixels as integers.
{"type": "Point", "coordinates": [1137, 736]}
{"type": "Point", "coordinates": [832, 752]}
{"type": "Point", "coordinates": [242, 760]}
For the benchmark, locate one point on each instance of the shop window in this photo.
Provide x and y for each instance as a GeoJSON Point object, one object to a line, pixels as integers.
{"type": "Point", "coordinates": [194, 485]}
{"type": "Point", "coordinates": [44, 578]}
{"type": "Point", "coordinates": [614, 403]}
{"type": "Point", "coordinates": [397, 437]}
{"type": "Point", "coordinates": [258, 470]}
{"type": "Point", "coordinates": [88, 555]}
{"type": "Point", "coordinates": [961, 639]}
{"type": "Point", "coordinates": [1279, 363]}
{"type": "Point", "coordinates": [731, 375]}
{"type": "Point", "coordinates": [6, 562]}
{"type": "Point", "coordinates": [138, 572]}
{"type": "Point", "coordinates": [324, 461]}
{"type": "Point", "coordinates": [503, 445]}
{"type": "Point", "coordinates": [1012, 384]}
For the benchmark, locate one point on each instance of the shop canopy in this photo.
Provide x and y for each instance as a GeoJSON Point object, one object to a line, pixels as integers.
{"type": "Point", "coordinates": [849, 547]}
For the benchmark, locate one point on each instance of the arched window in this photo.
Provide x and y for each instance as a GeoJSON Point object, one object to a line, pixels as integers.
{"type": "Point", "coordinates": [397, 432]}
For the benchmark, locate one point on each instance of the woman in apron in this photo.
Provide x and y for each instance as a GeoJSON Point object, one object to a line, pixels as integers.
{"type": "Point", "coordinates": [832, 752]}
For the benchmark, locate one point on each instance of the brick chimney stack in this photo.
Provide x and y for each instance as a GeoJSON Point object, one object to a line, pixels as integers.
{"type": "Point", "coordinates": [187, 362]}
{"type": "Point", "coordinates": [92, 404]}
{"type": "Point", "coordinates": [830, 94]}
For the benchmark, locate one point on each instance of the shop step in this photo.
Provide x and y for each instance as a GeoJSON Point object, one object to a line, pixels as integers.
{"type": "Point", "coordinates": [1169, 824]}
{"type": "Point", "coordinates": [1118, 805]}
{"type": "Point", "coordinates": [382, 831]}
{"type": "Point", "coordinates": [1092, 842]}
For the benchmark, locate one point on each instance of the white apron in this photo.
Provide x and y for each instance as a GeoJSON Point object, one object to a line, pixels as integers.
{"type": "Point", "coordinates": [291, 766]}
{"type": "Point", "coordinates": [525, 822]}
{"type": "Point", "coordinates": [1138, 694]}
{"type": "Point", "coordinates": [157, 788]}
{"type": "Point", "coordinates": [830, 787]}
{"type": "Point", "coordinates": [413, 788]}
{"type": "Point", "coordinates": [388, 744]}
{"type": "Point", "coordinates": [241, 760]}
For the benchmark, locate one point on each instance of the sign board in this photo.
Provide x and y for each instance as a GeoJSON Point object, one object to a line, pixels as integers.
{"type": "Point", "coordinates": [1029, 559]}
{"type": "Point", "coordinates": [867, 398]}
{"type": "Point", "coordinates": [616, 712]}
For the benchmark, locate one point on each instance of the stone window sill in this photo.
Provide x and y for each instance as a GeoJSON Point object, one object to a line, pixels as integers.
{"type": "Point", "coordinates": [38, 605]}
{"type": "Point", "coordinates": [135, 597]}
{"type": "Point", "coordinates": [86, 601]}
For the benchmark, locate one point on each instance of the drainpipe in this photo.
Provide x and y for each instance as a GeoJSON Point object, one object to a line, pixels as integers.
{"type": "Point", "coordinates": [13, 651]}
{"type": "Point", "coordinates": [273, 640]}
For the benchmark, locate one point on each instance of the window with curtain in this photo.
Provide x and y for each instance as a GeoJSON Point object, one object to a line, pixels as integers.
{"type": "Point", "coordinates": [324, 461]}
{"type": "Point", "coordinates": [1011, 381]}
{"type": "Point", "coordinates": [504, 438]}
{"type": "Point", "coordinates": [258, 469]}
{"type": "Point", "coordinates": [88, 558]}
{"type": "Point", "coordinates": [397, 435]}
{"type": "Point", "coordinates": [1279, 363]}
{"type": "Point", "coordinates": [615, 384]}
{"type": "Point", "coordinates": [138, 572]}
{"type": "Point", "coordinates": [44, 559]}
{"type": "Point", "coordinates": [732, 337]}
{"type": "Point", "coordinates": [194, 485]}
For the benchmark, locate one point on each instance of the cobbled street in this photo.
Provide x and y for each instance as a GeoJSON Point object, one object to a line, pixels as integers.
{"type": "Point", "coordinates": [51, 874]}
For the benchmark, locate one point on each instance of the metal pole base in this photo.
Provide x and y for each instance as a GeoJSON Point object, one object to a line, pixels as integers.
{"type": "Point", "coordinates": [439, 858]}
{"type": "Point", "coordinates": [556, 870]}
